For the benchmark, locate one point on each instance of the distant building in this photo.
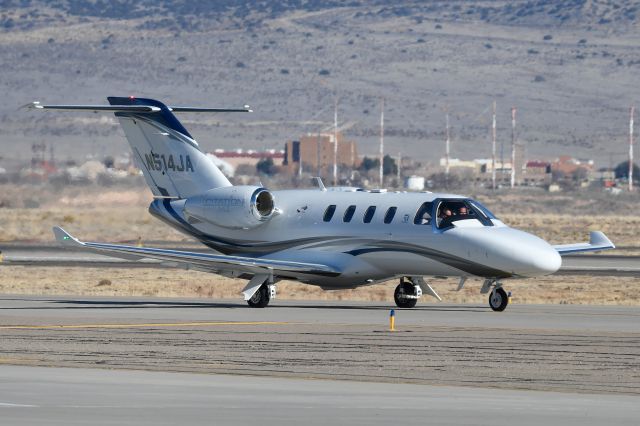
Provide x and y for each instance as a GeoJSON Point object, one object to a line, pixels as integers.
{"type": "Point", "coordinates": [567, 167]}
{"type": "Point", "coordinates": [456, 163]}
{"type": "Point", "coordinates": [536, 173]}
{"type": "Point", "coordinates": [314, 152]}
{"type": "Point", "coordinates": [531, 173]}
{"type": "Point", "coordinates": [237, 157]}
{"type": "Point", "coordinates": [415, 183]}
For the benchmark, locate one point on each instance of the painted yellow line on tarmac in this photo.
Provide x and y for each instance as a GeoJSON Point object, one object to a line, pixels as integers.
{"type": "Point", "coordinates": [141, 325]}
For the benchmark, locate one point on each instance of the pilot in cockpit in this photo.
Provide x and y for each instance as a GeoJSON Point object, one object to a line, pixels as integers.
{"type": "Point", "coordinates": [445, 214]}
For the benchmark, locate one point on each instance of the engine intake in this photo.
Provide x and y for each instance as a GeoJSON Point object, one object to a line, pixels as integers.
{"type": "Point", "coordinates": [232, 206]}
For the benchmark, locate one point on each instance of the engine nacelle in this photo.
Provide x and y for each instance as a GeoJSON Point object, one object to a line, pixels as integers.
{"type": "Point", "coordinates": [232, 206]}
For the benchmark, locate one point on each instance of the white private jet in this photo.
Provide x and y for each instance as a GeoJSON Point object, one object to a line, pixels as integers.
{"type": "Point", "coordinates": [335, 238]}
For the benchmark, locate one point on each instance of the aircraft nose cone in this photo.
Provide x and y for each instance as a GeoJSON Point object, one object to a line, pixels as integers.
{"type": "Point", "coordinates": [546, 261]}
{"type": "Point", "coordinates": [535, 257]}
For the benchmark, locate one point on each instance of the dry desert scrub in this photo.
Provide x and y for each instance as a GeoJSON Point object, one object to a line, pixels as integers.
{"type": "Point", "coordinates": [120, 214]}
{"type": "Point", "coordinates": [179, 283]}
{"type": "Point", "coordinates": [127, 223]}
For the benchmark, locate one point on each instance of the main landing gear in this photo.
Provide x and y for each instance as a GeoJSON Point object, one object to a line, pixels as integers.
{"type": "Point", "coordinates": [259, 291]}
{"type": "Point", "coordinates": [260, 298]}
{"type": "Point", "coordinates": [498, 297]}
{"type": "Point", "coordinates": [408, 292]}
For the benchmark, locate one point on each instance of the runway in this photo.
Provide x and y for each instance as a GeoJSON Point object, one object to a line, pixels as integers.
{"type": "Point", "coordinates": [19, 254]}
{"type": "Point", "coordinates": [533, 347]}
{"type": "Point", "coordinates": [63, 396]}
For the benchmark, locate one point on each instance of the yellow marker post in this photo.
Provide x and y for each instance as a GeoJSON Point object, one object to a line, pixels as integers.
{"type": "Point", "coordinates": [140, 242]}
{"type": "Point", "coordinates": [509, 298]}
{"type": "Point", "coordinates": [392, 320]}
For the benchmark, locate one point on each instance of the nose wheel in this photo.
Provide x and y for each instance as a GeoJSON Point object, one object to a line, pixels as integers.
{"type": "Point", "coordinates": [498, 299]}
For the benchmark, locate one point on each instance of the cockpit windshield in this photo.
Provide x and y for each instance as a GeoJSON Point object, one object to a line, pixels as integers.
{"type": "Point", "coordinates": [450, 211]}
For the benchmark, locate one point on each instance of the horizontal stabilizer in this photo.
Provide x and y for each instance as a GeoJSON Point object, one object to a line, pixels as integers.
{"type": "Point", "coordinates": [246, 108]}
{"type": "Point", "coordinates": [140, 109]}
{"type": "Point", "coordinates": [597, 241]}
{"type": "Point", "coordinates": [96, 108]}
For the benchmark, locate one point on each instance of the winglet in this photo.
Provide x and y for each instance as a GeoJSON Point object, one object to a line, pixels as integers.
{"type": "Point", "coordinates": [64, 238]}
{"type": "Point", "coordinates": [597, 238]}
{"type": "Point", "coordinates": [597, 241]}
{"type": "Point", "coordinates": [32, 105]}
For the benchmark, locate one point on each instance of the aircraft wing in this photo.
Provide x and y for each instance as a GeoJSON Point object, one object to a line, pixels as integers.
{"type": "Point", "coordinates": [203, 261]}
{"type": "Point", "coordinates": [597, 241]}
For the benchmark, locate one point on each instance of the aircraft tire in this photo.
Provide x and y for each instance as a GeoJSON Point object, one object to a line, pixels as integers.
{"type": "Point", "coordinates": [403, 302]}
{"type": "Point", "coordinates": [498, 300]}
{"type": "Point", "coordinates": [260, 298]}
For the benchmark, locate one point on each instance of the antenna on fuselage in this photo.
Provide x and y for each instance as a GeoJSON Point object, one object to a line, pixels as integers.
{"type": "Point", "coordinates": [318, 181]}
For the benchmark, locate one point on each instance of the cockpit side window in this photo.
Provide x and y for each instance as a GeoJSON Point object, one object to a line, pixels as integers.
{"type": "Point", "coordinates": [423, 215]}
{"type": "Point", "coordinates": [482, 209]}
{"type": "Point", "coordinates": [450, 211]}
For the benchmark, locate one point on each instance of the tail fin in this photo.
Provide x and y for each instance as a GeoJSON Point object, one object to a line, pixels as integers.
{"type": "Point", "coordinates": [169, 157]}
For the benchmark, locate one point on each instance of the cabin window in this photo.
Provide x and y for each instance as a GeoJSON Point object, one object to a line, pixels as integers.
{"type": "Point", "coordinates": [423, 215]}
{"type": "Point", "coordinates": [328, 213]}
{"type": "Point", "coordinates": [368, 215]}
{"type": "Point", "coordinates": [348, 214]}
{"type": "Point", "coordinates": [391, 212]}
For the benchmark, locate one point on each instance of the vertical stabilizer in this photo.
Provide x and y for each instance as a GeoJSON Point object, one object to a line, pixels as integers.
{"type": "Point", "coordinates": [167, 154]}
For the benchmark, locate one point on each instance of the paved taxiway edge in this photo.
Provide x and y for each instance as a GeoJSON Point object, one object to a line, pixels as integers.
{"type": "Point", "coordinates": [62, 396]}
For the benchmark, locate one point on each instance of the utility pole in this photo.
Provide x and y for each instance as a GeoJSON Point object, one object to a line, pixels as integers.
{"type": "Point", "coordinates": [493, 148]}
{"type": "Point", "coordinates": [446, 149]}
{"type": "Point", "coordinates": [513, 147]}
{"type": "Point", "coordinates": [335, 144]}
{"type": "Point", "coordinates": [631, 114]}
{"type": "Point", "coordinates": [399, 166]}
{"type": "Point", "coordinates": [318, 163]}
{"type": "Point", "coordinates": [381, 143]}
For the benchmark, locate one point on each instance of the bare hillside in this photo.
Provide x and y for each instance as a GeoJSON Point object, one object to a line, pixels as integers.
{"type": "Point", "coordinates": [571, 67]}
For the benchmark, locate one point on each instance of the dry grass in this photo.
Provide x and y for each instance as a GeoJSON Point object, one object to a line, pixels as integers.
{"type": "Point", "coordinates": [179, 283]}
{"type": "Point", "coordinates": [127, 223]}
{"type": "Point", "coordinates": [120, 215]}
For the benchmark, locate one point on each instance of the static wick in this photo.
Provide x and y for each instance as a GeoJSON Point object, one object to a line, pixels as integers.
{"type": "Point", "coordinates": [392, 320]}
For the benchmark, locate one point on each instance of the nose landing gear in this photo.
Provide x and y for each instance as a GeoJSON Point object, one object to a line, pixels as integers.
{"type": "Point", "coordinates": [498, 297]}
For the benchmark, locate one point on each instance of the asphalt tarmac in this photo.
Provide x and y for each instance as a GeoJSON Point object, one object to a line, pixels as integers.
{"type": "Point", "coordinates": [66, 396]}
{"type": "Point", "coordinates": [545, 347]}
